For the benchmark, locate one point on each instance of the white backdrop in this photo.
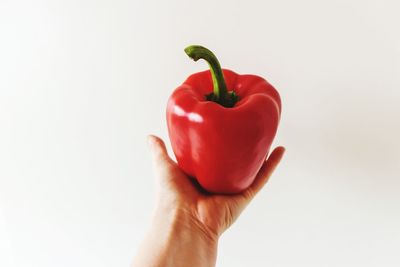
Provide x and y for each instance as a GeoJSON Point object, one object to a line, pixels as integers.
{"type": "Point", "coordinates": [83, 82]}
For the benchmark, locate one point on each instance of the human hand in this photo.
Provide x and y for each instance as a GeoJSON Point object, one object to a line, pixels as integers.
{"type": "Point", "coordinates": [188, 221]}
{"type": "Point", "coordinates": [212, 213]}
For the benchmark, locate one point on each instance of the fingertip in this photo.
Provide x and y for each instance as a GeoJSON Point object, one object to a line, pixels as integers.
{"type": "Point", "coordinates": [150, 140]}
{"type": "Point", "coordinates": [158, 142]}
{"type": "Point", "coordinates": [278, 152]}
{"type": "Point", "coordinates": [155, 141]}
{"type": "Point", "coordinates": [280, 149]}
{"type": "Point", "coordinates": [157, 146]}
{"type": "Point", "coordinates": [267, 169]}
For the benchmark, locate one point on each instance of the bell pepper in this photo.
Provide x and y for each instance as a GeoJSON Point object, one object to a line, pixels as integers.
{"type": "Point", "coordinates": [221, 125]}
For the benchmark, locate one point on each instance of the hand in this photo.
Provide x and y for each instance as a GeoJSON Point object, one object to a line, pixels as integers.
{"type": "Point", "coordinates": [213, 213]}
{"type": "Point", "coordinates": [188, 221]}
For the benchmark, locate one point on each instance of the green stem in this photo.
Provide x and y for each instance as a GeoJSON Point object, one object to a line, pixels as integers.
{"type": "Point", "coordinates": [197, 52]}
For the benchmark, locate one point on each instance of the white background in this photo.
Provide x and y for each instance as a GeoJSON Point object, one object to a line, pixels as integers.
{"type": "Point", "coordinates": [83, 82]}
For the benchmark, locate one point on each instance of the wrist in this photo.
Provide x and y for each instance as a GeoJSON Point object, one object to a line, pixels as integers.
{"type": "Point", "coordinates": [183, 238]}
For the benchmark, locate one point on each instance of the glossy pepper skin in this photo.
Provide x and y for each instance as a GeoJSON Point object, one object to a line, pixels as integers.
{"type": "Point", "coordinates": [222, 147]}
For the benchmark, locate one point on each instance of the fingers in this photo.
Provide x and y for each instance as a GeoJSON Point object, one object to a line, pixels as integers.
{"type": "Point", "coordinates": [158, 150]}
{"type": "Point", "coordinates": [265, 172]}
{"type": "Point", "coordinates": [167, 173]}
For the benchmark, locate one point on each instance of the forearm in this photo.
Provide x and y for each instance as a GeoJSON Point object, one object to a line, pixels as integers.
{"type": "Point", "coordinates": [175, 240]}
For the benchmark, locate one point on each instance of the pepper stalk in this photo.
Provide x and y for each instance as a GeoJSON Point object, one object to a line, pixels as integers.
{"type": "Point", "coordinates": [220, 93]}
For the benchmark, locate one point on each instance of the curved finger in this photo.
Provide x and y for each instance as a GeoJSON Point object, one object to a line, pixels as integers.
{"type": "Point", "coordinates": [157, 146]}
{"type": "Point", "coordinates": [265, 172]}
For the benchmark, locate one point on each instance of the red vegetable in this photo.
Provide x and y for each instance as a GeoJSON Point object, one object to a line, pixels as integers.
{"type": "Point", "coordinates": [219, 137]}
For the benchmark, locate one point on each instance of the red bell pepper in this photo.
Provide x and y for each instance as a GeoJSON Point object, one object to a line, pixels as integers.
{"type": "Point", "coordinates": [221, 125]}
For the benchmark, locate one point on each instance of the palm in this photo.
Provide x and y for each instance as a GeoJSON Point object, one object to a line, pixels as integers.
{"type": "Point", "coordinates": [215, 212]}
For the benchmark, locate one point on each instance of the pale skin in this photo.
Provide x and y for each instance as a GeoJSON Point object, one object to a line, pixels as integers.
{"type": "Point", "coordinates": [187, 222]}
